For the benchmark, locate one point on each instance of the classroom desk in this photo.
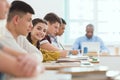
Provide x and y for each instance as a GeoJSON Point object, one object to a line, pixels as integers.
{"type": "Point", "coordinates": [64, 63]}
{"type": "Point", "coordinates": [111, 61]}
{"type": "Point", "coordinates": [47, 75]}
{"type": "Point", "coordinates": [113, 73]}
{"type": "Point", "coordinates": [86, 73]}
{"type": "Point", "coordinates": [57, 66]}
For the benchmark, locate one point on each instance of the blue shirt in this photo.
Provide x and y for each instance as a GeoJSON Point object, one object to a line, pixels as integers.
{"type": "Point", "coordinates": [77, 44]}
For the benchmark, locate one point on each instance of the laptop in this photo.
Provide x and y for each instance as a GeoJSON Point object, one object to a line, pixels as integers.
{"type": "Point", "coordinates": [91, 46]}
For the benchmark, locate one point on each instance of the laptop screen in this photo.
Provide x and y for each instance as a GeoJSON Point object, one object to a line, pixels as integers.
{"type": "Point", "coordinates": [91, 46]}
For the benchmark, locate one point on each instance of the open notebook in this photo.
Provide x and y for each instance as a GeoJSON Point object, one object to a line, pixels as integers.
{"type": "Point", "coordinates": [67, 60]}
{"type": "Point", "coordinates": [72, 59]}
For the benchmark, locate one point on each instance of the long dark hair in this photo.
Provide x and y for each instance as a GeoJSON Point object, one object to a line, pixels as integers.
{"type": "Point", "coordinates": [35, 22]}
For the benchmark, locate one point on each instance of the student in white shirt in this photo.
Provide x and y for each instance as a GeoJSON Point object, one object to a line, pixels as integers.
{"type": "Point", "coordinates": [11, 61]}
{"type": "Point", "coordinates": [18, 25]}
{"type": "Point", "coordinates": [60, 33]}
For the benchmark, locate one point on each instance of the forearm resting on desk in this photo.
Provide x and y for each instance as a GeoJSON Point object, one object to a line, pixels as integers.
{"type": "Point", "coordinates": [12, 52]}
{"type": "Point", "coordinates": [18, 53]}
{"type": "Point", "coordinates": [12, 66]}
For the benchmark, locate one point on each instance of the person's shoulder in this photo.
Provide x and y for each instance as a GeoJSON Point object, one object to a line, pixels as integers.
{"type": "Point", "coordinates": [97, 37]}
{"type": "Point", "coordinates": [21, 38]}
{"type": "Point", "coordinates": [81, 37]}
{"type": "Point", "coordinates": [45, 38]}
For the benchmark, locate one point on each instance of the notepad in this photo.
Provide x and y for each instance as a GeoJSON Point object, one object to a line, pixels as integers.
{"type": "Point", "coordinates": [67, 60]}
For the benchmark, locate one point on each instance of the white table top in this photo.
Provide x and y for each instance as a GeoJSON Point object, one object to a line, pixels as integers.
{"type": "Point", "coordinates": [47, 75]}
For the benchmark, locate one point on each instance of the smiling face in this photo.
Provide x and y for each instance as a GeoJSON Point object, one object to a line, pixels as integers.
{"type": "Point", "coordinates": [38, 32]}
{"type": "Point", "coordinates": [4, 6]}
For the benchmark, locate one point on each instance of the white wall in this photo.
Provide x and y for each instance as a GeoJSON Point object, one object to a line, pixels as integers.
{"type": "Point", "coordinates": [42, 7]}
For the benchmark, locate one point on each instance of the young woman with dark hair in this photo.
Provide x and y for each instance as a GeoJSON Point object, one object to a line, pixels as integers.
{"type": "Point", "coordinates": [37, 33]}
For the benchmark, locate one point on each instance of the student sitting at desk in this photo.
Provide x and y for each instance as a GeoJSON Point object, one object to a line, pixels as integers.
{"type": "Point", "coordinates": [37, 33]}
{"type": "Point", "coordinates": [53, 22]}
{"type": "Point", "coordinates": [14, 62]}
{"type": "Point", "coordinates": [55, 40]}
{"type": "Point", "coordinates": [89, 37]}
{"type": "Point", "coordinates": [18, 25]}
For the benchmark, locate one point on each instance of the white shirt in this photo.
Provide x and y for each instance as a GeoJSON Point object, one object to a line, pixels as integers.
{"type": "Point", "coordinates": [44, 42]}
{"type": "Point", "coordinates": [22, 44]}
{"type": "Point", "coordinates": [55, 41]}
{"type": "Point", "coordinates": [2, 26]}
{"type": "Point", "coordinates": [26, 45]}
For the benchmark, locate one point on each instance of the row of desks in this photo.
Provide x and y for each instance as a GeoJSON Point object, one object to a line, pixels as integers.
{"type": "Point", "coordinates": [74, 71]}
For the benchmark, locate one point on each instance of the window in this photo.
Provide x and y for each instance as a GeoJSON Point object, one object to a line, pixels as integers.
{"type": "Point", "coordinates": [103, 14]}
